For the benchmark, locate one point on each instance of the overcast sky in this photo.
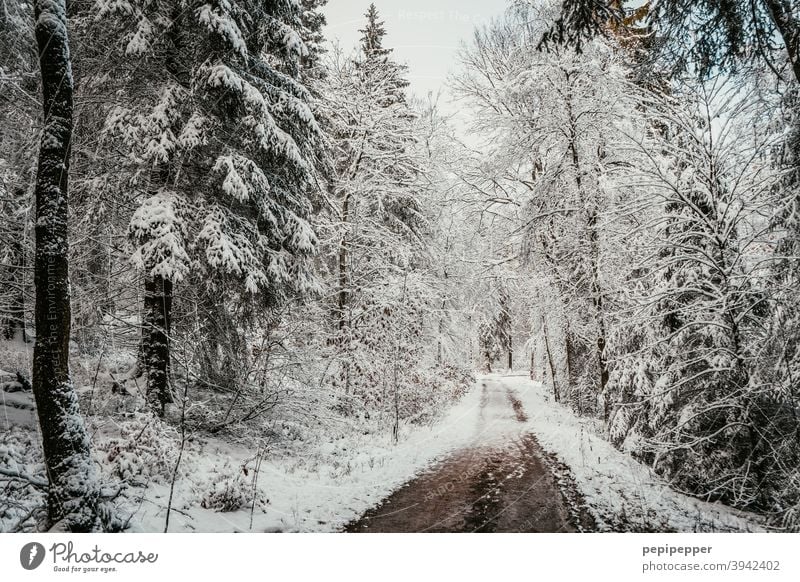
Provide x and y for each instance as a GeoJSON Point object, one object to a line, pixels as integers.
{"type": "Point", "coordinates": [425, 34]}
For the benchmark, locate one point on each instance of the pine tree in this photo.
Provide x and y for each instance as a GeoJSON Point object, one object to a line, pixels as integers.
{"type": "Point", "coordinates": [312, 22]}
{"type": "Point", "coordinates": [380, 223]}
{"type": "Point", "coordinates": [376, 64]}
{"type": "Point", "coordinates": [221, 146]}
{"type": "Point", "coordinates": [372, 37]}
{"type": "Point", "coordinates": [724, 33]}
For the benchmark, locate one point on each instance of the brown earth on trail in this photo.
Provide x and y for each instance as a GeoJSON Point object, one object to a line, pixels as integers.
{"type": "Point", "coordinates": [509, 487]}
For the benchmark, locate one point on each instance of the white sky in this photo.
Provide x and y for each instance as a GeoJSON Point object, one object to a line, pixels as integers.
{"type": "Point", "coordinates": [425, 34]}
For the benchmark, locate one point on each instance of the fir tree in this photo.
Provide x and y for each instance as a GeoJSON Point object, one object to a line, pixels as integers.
{"type": "Point", "coordinates": [724, 33]}
{"type": "Point", "coordinates": [380, 223]}
{"type": "Point", "coordinates": [372, 37]}
{"type": "Point", "coordinates": [376, 64]}
{"type": "Point", "coordinates": [220, 143]}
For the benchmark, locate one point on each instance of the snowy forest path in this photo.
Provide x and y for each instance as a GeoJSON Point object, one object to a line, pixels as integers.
{"type": "Point", "coordinates": [502, 482]}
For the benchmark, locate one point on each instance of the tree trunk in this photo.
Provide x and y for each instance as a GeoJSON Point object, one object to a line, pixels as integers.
{"type": "Point", "coordinates": [73, 493]}
{"type": "Point", "coordinates": [602, 360]}
{"type": "Point", "coordinates": [597, 295]}
{"type": "Point", "coordinates": [597, 300]}
{"type": "Point", "coordinates": [441, 332]}
{"type": "Point", "coordinates": [556, 392]}
{"type": "Point", "coordinates": [533, 364]}
{"type": "Point", "coordinates": [342, 294]}
{"type": "Point", "coordinates": [157, 313]}
{"type": "Point", "coordinates": [569, 351]}
{"type": "Point", "coordinates": [153, 355]}
{"type": "Point", "coordinates": [14, 318]}
{"type": "Point", "coordinates": [342, 266]}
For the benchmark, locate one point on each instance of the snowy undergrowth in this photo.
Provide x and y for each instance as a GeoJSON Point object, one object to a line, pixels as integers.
{"type": "Point", "coordinates": [20, 500]}
{"type": "Point", "coordinates": [336, 470]}
{"type": "Point", "coordinates": [621, 493]}
{"type": "Point", "coordinates": [320, 489]}
{"type": "Point", "coordinates": [318, 469]}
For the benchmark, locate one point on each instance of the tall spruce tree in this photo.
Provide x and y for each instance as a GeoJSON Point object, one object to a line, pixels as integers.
{"type": "Point", "coordinates": [380, 222]}
{"type": "Point", "coordinates": [372, 36]}
{"type": "Point", "coordinates": [312, 22]}
{"type": "Point", "coordinates": [220, 144]}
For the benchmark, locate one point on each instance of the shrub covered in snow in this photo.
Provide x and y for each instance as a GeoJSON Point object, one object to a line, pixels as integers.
{"type": "Point", "coordinates": [227, 492]}
{"type": "Point", "coordinates": [146, 449]}
{"type": "Point", "coordinates": [21, 476]}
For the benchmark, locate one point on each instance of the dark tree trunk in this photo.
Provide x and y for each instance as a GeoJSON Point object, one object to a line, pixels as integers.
{"type": "Point", "coordinates": [597, 300]}
{"type": "Point", "coordinates": [73, 493]}
{"type": "Point", "coordinates": [342, 296]}
{"type": "Point", "coordinates": [556, 392]}
{"type": "Point", "coordinates": [156, 349]}
{"type": "Point", "coordinates": [569, 351]}
{"type": "Point", "coordinates": [14, 317]}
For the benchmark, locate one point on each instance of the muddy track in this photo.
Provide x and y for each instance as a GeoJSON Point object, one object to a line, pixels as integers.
{"type": "Point", "coordinates": [519, 411]}
{"type": "Point", "coordinates": [513, 486]}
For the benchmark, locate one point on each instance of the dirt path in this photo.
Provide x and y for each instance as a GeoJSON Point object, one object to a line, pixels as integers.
{"type": "Point", "coordinates": [489, 487]}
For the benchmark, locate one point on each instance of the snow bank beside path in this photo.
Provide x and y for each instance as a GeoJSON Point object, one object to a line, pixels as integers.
{"type": "Point", "coordinates": [340, 477]}
{"type": "Point", "coordinates": [621, 493]}
{"type": "Point", "coordinates": [323, 491]}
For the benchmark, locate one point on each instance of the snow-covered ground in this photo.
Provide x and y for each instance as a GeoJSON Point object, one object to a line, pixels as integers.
{"type": "Point", "coordinates": [321, 491]}
{"type": "Point", "coordinates": [336, 480]}
{"type": "Point", "coordinates": [619, 491]}
{"type": "Point", "coordinates": [341, 480]}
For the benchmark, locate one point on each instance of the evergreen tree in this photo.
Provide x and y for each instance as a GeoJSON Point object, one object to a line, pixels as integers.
{"type": "Point", "coordinates": [312, 22]}
{"type": "Point", "coordinates": [220, 143]}
{"type": "Point", "coordinates": [376, 64]}
{"type": "Point", "coordinates": [372, 37]}
{"type": "Point", "coordinates": [380, 225]}
{"type": "Point", "coordinates": [723, 33]}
